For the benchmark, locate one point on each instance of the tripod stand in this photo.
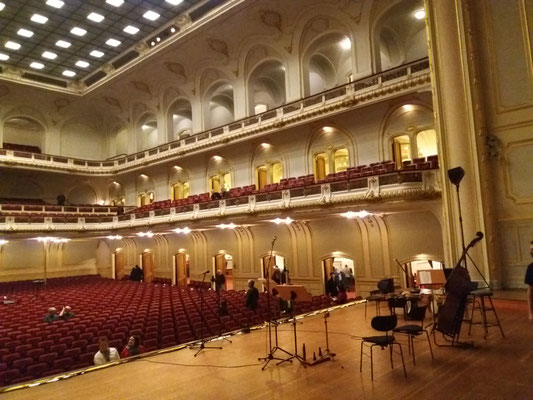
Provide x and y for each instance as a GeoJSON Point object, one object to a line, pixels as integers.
{"type": "Point", "coordinates": [295, 355]}
{"type": "Point", "coordinates": [201, 344]}
{"type": "Point", "coordinates": [272, 349]}
{"type": "Point", "coordinates": [219, 315]}
{"type": "Point", "coordinates": [327, 354]}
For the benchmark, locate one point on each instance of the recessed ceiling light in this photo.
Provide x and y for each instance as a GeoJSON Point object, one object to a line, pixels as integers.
{"type": "Point", "coordinates": [12, 45]}
{"type": "Point", "coordinates": [172, 29]}
{"type": "Point", "coordinates": [3, 57]}
{"type": "Point", "coordinates": [25, 33]}
{"type": "Point", "coordinates": [95, 17]}
{"type": "Point", "coordinates": [40, 19]}
{"type": "Point", "coordinates": [96, 53]}
{"type": "Point", "coordinates": [174, 2]}
{"type": "Point", "coordinates": [78, 31]}
{"type": "Point", "coordinates": [420, 14]}
{"type": "Point", "coordinates": [115, 3]}
{"type": "Point", "coordinates": [37, 65]}
{"type": "Point", "coordinates": [346, 43]}
{"type": "Point", "coordinates": [158, 39]}
{"type": "Point", "coordinates": [113, 42]}
{"type": "Point", "coordinates": [49, 55]}
{"type": "Point", "coordinates": [55, 3]}
{"type": "Point", "coordinates": [63, 43]}
{"type": "Point", "coordinates": [131, 30]}
{"type": "Point", "coordinates": [2, 5]}
{"type": "Point", "coordinates": [69, 73]}
{"type": "Point", "coordinates": [82, 64]}
{"type": "Point", "coordinates": [151, 15]}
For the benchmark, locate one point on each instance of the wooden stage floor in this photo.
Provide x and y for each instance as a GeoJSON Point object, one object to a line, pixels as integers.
{"type": "Point", "coordinates": [495, 368]}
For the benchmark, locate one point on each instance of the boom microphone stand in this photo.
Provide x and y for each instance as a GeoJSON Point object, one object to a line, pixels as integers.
{"type": "Point", "coordinates": [201, 344]}
{"type": "Point", "coordinates": [272, 349]}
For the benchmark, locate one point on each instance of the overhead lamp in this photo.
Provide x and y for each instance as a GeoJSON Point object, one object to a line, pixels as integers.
{"type": "Point", "coordinates": [227, 226]}
{"type": "Point", "coordinates": [2, 6]}
{"type": "Point", "coordinates": [36, 65]}
{"type": "Point", "coordinates": [114, 237]}
{"type": "Point", "coordinates": [132, 30]}
{"type": "Point", "coordinates": [420, 14]}
{"type": "Point", "coordinates": [51, 239]}
{"type": "Point", "coordinates": [82, 64]}
{"type": "Point", "coordinates": [172, 30]}
{"type": "Point", "coordinates": [113, 42]}
{"type": "Point", "coordinates": [174, 2]}
{"type": "Point", "coordinates": [151, 15]}
{"type": "Point", "coordinates": [4, 57]}
{"type": "Point", "coordinates": [408, 107]}
{"type": "Point", "coordinates": [55, 3]}
{"type": "Point", "coordinates": [63, 43]}
{"type": "Point", "coordinates": [25, 33]}
{"type": "Point", "coordinates": [3, 241]}
{"type": "Point", "coordinates": [95, 17]}
{"type": "Point", "coordinates": [285, 221]}
{"type": "Point", "coordinates": [69, 73]}
{"type": "Point", "coordinates": [115, 3]}
{"type": "Point", "coordinates": [217, 158]}
{"type": "Point", "coordinates": [346, 43]}
{"type": "Point", "coordinates": [96, 53]}
{"type": "Point", "coordinates": [356, 214]}
{"type": "Point", "coordinates": [12, 45]}
{"type": "Point", "coordinates": [49, 55]}
{"type": "Point", "coordinates": [78, 31]}
{"type": "Point", "coordinates": [40, 19]}
{"type": "Point", "coordinates": [185, 230]}
{"type": "Point", "coordinates": [145, 234]}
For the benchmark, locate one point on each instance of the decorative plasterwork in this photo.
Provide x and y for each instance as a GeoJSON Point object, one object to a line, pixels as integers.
{"type": "Point", "coordinates": [271, 18]}
{"type": "Point", "coordinates": [218, 46]}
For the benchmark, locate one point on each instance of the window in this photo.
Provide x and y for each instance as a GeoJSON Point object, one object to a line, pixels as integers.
{"type": "Point", "coordinates": [216, 182]}
{"type": "Point", "coordinates": [141, 200]}
{"type": "Point", "coordinates": [401, 149]}
{"type": "Point", "coordinates": [261, 177]}
{"type": "Point", "coordinates": [180, 190]}
{"type": "Point", "coordinates": [268, 173]}
{"type": "Point", "coordinates": [277, 172]}
{"type": "Point", "coordinates": [426, 143]}
{"type": "Point", "coordinates": [321, 166]}
{"type": "Point", "coordinates": [341, 160]}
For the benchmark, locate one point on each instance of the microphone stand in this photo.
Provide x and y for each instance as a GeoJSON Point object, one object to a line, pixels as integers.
{"type": "Point", "coordinates": [201, 344]}
{"type": "Point", "coordinates": [272, 349]}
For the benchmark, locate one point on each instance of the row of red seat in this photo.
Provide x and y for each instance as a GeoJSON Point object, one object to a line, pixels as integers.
{"type": "Point", "coordinates": [21, 147]}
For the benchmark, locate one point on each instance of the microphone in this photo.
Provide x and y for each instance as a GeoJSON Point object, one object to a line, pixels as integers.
{"type": "Point", "coordinates": [479, 236]}
{"type": "Point", "coordinates": [274, 239]}
{"type": "Point", "coordinates": [206, 272]}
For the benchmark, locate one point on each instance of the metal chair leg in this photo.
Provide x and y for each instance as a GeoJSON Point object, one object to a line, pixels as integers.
{"type": "Point", "coordinates": [361, 361]}
{"type": "Point", "coordinates": [371, 363]}
{"type": "Point", "coordinates": [496, 315]}
{"type": "Point", "coordinates": [403, 363]}
{"type": "Point", "coordinates": [413, 347]}
{"type": "Point", "coordinates": [391, 362]}
{"type": "Point", "coordinates": [429, 342]}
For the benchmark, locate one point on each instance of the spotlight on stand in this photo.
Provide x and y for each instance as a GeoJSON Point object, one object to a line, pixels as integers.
{"type": "Point", "coordinates": [456, 175]}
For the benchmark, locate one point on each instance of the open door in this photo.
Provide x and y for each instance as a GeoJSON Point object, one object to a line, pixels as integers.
{"type": "Point", "coordinates": [220, 265]}
{"type": "Point", "coordinates": [327, 265]}
{"type": "Point", "coordinates": [148, 266]}
{"type": "Point", "coordinates": [181, 270]}
{"type": "Point", "coordinates": [119, 265]}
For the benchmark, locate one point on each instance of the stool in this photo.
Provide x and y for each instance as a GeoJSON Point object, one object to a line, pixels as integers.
{"type": "Point", "coordinates": [479, 297]}
{"type": "Point", "coordinates": [377, 298]}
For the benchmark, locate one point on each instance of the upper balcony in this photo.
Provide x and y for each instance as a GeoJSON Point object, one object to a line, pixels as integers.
{"type": "Point", "coordinates": [392, 83]}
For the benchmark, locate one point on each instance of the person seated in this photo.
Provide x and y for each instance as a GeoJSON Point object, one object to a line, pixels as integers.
{"type": "Point", "coordinates": [105, 353]}
{"type": "Point", "coordinates": [136, 274]}
{"type": "Point", "coordinates": [66, 313]}
{"type": "Point", "coordinates": [220, 280]}
{"type": "Point", "coordinates": [216, 196]}
{"type": "Point", "coordinates": [331, 286]}
{"type": "Point", "coordinates": [51, 316]}
{"type": "Point", "coordinates": [133, 347]}
{"type": "Point", "coordinates": [224, 193]}
{"type": "Point", "coordinates": [342, 297]}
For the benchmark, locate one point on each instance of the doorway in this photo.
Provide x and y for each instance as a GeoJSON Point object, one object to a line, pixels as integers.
{"type": "Point", "coordinates": [147, 265]}
{"type": "Point", "coordinates": [344, 270]}
{"type": "Point", "coordinates": [118, 262]}
{"type": "Point", "coordinates": [182, 274]}
{"type": "Point", "coordinates": [267, 267]}
{"type": "Point", "coordinates": [411, 268]}
{"type": "Point", "coordinates": [224, 262]}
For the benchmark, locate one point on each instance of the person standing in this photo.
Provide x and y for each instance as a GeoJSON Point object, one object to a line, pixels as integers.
{"type": "Point", "coordinates": [332, 286]}
{"type": "Point", "coordinates": [220, 280]}
{"type": "Point", "coordinates": [252, 296]}
{"type": "Point", "coordinates": [529, 282]}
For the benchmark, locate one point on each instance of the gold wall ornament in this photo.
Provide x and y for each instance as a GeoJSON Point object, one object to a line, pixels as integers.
{"type": "Point", "coordinates": [141, 47]}
{"type": "Point", "coordinates": [176, 68]}
{"type": "Point", "coordinates": [108, 68]}
{"type": "Point", "coordinates": [183, 21]}
{"type": "Point", "coordinates": [141, 86]}
{"type": "Point", "coordinates": [218, 46]}
{"type": "Point", "coordinates": [77, 86]}
{"type": "Point", "coordinates": [271, 18]}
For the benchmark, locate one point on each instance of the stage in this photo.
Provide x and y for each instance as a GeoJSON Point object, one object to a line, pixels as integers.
{"type": "Point", "coordinates": [495, 368]}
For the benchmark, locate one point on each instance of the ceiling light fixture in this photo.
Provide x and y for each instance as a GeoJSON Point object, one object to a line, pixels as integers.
{"type": "Point", "coordinates": [69, 73]}
{"type": "Point", "coordinates": [2, 6]}
{"type": "Point", "coordinates": [185, 230]}
{"type": "Point", "coordinates": [151, 15]}
{"type": "Point", "coordinates": [356, 214]}
{"type": "Point", "coordinates": [63, 43]}
{"type": "Point", "coordinates": [40, 19]}
{"type": "Point", "coordinates": [114, 237]}
{"type": "Point", "coordinates": [174, 2]}
{"type": "Point", "coordinates": [37, 65]}
{"type": "Point", "coordinates": [346, 43]}
{"type": "Point", "coordinates": [82, 64]}
{"type": "Point", "coordinates": [95, 17]}
{"type": "Point", "coordinates": [285, 221]}
{"type": "Point", "coordinates": [408, 107]}
{"type": "Point", "coordinates": [3, 241]}
{"type": "Point", "coordinates": [25, 33]}
{"type": "Point", "coordinates": [96, 53]}
{"type": "Point", "coordinates": [145, 234]}
{"type": "Point", "coordinates": [172, 30]}
{"type": "Point", "coordinates": [227, 226]}
{"type": "Point", "coordinates": [4, 57]}
{"type": "Point", "coordinates": [49, 55]}
{"type": "Point", "coordinates": [420, 14]}
{"type": "Point", "coordinates": [50, 239]}
{"type": "Point", "coordinates": [78, 31]}
{"type": "Point", "coordinates": [115, 3]}
{"type": "Point", "coordinates": [55, 3]}
{"type": "Point", "coordinates": [12, 45]}
{"type": "Point", "coordinates": [132, 30]}
{"type": "Point", "coordinates": [113, 42]}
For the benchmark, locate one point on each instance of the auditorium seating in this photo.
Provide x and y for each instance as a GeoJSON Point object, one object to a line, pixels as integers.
{"type": "Point", "coordinates": [21, 147]}
{"type": "Point", "coordinates": [161, 314]}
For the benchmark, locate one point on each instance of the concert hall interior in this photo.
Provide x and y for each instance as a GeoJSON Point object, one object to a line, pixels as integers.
{"type": "Point", "coordinates": [213, 142]}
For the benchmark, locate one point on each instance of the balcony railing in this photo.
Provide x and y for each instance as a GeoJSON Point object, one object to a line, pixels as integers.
{"type": "Point", "coordinates": [343, 96]}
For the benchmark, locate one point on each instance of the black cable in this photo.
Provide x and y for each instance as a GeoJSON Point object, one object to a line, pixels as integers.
{"type": "Point", "coordinates": [202, 365]}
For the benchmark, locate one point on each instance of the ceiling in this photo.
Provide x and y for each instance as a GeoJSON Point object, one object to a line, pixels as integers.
{"type": "Point", "coordinates": [36, 40]}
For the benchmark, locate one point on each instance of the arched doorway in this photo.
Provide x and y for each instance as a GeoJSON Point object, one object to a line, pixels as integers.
{"type": "Point", "coordinates": [181, 276]}
{"type": "Point", "coordinates": [344, 270]}
{"type": "Point", "coordinates": [118, 265]}
{"type": "Point", "coordinates": [411, 268]}
{"type": "Point", "coordinates": [224, 262]}
{"type": "Point", "coordinates": [268, 264]}
{"type": "Point", "coordinates": [147, 265]}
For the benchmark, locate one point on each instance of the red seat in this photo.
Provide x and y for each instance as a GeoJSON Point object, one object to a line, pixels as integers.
{"type": "Point", "coordinates": [9, 358]}
{"type": "Point", "coordinates": [22, 363]}
{"type": "Point", "coordinates": [34, 353]}
{"type": "Point", "coordinates": [74, 352]}
{"type": "Point", "coordinates": [36, 370]}
{"type": "Point", "coordinates": [48, 357]}
{"type": "Point", "coordinates": [58, 348]}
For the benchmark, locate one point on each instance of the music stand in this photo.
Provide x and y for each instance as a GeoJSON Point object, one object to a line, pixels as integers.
{"type": "Point", "coordinates": [201, 344]}
{"type": "Point", "coordinates": [291, 293]}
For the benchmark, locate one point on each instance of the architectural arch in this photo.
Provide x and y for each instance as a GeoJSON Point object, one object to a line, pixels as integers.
{"type": "Point", "coordinates": [26, 133]}
{"type": "Point", "coordinates": [26, 188]}
{"type": "Point", "coordinates": [82, 193]}
{"type": "Point", "coordinates": [217, 99]}
{"type": "Point", "coordinates": [116, 194]}
{"type": "Point", "coordinates": [178, 183]}
{"type": "Point", "coordinates": [147, 131]}
{"type": "Point", "coordinates": [145, 190]}
{"type": "Point", "coordinates": [179, 119]}
{"type": "Point", "coordinates": [219, 174]}
{"type": "Point", "coordinates": [267, 165]}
